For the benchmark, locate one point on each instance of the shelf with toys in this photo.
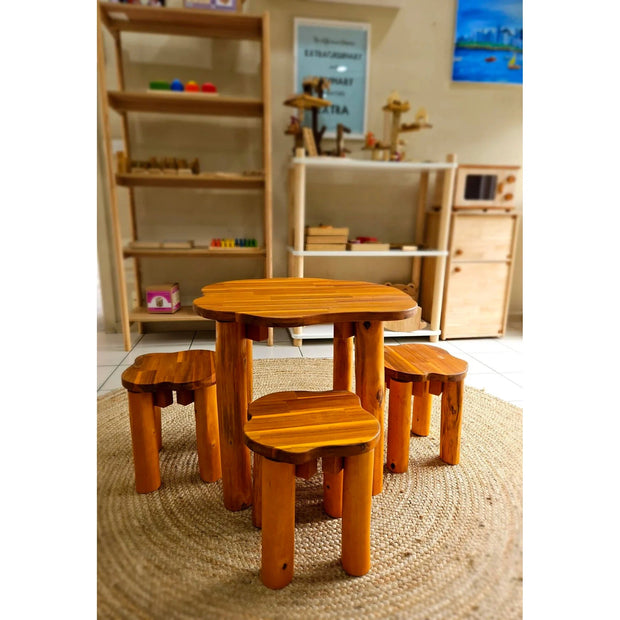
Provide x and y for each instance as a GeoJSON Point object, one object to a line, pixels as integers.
{"type": "Point", "coordinates": [169, 96]}
{"type": "Point", "coordinates": [388, 157]}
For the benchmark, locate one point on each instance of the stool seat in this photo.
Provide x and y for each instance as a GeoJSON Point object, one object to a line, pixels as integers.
{"type": "Point", "coordinates": [183, 370]}
{"type": "Point", "coordinates": [287, 429]}
{"type": "Point", "coordinates": [150, 382]}
{"type": "Point", "coordinates": [422, 362]}
{"type": "Point", "coordinates": [421, 370]}
{"type": "Point", "coordinates": [296, 427]}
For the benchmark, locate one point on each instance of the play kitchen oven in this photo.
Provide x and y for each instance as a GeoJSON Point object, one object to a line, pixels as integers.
{"type": "Point", "coordinates": [485, 187]}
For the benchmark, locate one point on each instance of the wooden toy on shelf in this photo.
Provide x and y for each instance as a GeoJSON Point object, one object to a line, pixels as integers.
{"type": "Point", "coordinates": [307, 100]}
{"type": "Point", "coordinates": [340, 150]}
{"type": "Point", "coordinates": [209, 88]}
{"type": "Point", "coordinates": [177, 85]}
{"type": "Point", "coordinates": [394, 109]}
{"type": "Point", "coordinates": [326, 238]}
{"type": "Point", "coordinates": [379, 150]}
{"type": "Point", "coordinates": [166, 165]}
{"type": "Point", "coordinates": [192, 87]}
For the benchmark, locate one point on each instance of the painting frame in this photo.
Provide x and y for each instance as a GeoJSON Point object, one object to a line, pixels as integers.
{"type": "Point", "coordinates": [488, 42]}
{"type": "Point", "coordinates": [319, 42]}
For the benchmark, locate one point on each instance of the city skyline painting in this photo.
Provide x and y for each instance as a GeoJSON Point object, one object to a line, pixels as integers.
{"type": "Point", "coordinates": [488, 41]}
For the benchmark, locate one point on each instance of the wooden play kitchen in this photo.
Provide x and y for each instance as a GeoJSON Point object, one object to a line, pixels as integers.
{"type": "Point", "coordinates": [481, 247]}
{"type": "Point", "coordinates": [244, 309]}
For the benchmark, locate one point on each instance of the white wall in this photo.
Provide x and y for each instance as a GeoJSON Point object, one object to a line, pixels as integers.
{"type": "Point", "coordinates": [411, 52]}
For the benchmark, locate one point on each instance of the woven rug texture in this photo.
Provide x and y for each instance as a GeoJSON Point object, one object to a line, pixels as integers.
{"type": "Point", "coordinates": [446, 541]}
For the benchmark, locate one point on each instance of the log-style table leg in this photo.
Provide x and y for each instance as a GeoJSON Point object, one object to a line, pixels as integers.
{"type": "Point", "coordinates": [370, 383]}
{"type": "Point", "coordinates": [232, 374]}
{"type": "Point", "coordinates": [144, 441]}
{"type": "Point", "coordinates": [422, 406]}
{"type": "Point", "coordinates": [343, 380]}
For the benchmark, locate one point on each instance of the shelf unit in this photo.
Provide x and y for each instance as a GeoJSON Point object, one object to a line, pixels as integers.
{"type": "Point", "coordinates": [297, 218]}
{"type": "Point", "coordinates": [119, 18]}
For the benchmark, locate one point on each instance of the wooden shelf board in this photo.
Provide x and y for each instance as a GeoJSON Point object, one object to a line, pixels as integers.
{"type": "Point", "coordinates": [207, 180]}
{"type": "Point", "coordinates": [320, 332]}
{"type": "Point", "coordinates": [399, 166]}
{"type": "Point", "coordinates": [172, 102]}
{"type": "Point", "coordinates": [193, 252]}
{"type": "Point", "coordinates": [188, 22]}
{"type": "Point", "coordinates": [186, 313]}
{"type": "Point", "coordinates": [373, 253]}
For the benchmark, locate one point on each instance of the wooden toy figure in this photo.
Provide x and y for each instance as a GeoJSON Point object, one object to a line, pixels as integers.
{"type": "Point", "coordinates": [192, 87]}
{"type": "Point", "coordinates": [307, 101]}
{"type": "Point", "coordinates": [177, 85]}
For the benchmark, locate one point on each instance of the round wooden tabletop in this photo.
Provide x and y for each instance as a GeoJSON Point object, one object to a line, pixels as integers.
{"type": "Point", "coordinates": [294, 302]}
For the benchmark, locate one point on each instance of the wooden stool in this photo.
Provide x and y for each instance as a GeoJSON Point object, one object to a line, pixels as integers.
{"type": "Point", "coordinates": [286, 429]}
{"type": "Point", "coordinates": [150, 382]}
{"type": "Point", "coordinates": [422, 370]}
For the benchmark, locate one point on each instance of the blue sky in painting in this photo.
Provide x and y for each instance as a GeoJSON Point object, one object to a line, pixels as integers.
{"type": "Point", "coordinates": [474, 15]}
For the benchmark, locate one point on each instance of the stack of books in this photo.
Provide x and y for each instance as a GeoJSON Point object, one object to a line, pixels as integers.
{"type": "Point", "coordinates": [326, 238]}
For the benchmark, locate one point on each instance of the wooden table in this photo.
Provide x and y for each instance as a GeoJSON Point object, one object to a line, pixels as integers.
{"type": "Point", "coordinates": [245, 309]}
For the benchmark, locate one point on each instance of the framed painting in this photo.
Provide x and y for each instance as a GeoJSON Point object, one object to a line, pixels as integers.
{"type": "Point", "coordinates": [488, 41]}
{"type": "Point", "coordinates": [338, 52]}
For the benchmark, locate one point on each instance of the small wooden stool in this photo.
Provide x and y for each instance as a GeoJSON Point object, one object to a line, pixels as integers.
{"type": "Point", "coordinates": [422, 370]}
{"type": "Point", "coordinates": [286, 429]}
{"type": "Point", "coordinates": [150, 382]}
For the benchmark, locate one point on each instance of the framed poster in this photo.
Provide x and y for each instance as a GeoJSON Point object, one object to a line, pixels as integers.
{"type": "Point", "coordinates": [339, 52]}
{"type": "Point", "coordinates": [488, 41]}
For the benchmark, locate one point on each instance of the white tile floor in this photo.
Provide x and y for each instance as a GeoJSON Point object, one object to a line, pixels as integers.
{"type": "Point", "coordinates": [495, 364]}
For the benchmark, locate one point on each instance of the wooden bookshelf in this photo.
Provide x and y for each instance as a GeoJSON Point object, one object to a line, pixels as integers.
{"type": "Point", "coordinates": [118, 19]}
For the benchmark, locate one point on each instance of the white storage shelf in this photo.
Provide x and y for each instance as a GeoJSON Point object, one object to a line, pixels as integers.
{"type": "Point", "coordinates": [297, 221]}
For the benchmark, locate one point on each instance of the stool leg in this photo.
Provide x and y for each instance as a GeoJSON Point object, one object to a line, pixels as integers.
{"type": "Point", "coordinates": [422, 405]}
{"type": "Point", "coordinates": [157, 412]}
{"type": "Point", "coordinates": [257, 491]}
{"type": "Point", "coordinates": [207, 437]}
{"type": "Point", "coordinates": [144, 441]}
{"type": "Point", "coordinates": [399, 421]}
{"type": "Point", "coordinates": [278, 517]}
{"type": "Point", "coordinates": [356, 508]}
{"type": "Point", "coordinates": [451, 412]}
{"type": "Point", "coordinates": [332, 485]}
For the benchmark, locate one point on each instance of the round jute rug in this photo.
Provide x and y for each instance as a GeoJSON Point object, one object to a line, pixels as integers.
{"type": "Point", "coordinates": [446, 540]}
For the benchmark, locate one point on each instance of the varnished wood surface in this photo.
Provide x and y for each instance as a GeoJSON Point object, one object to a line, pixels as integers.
{"type": "Point", "coordinates": [294, 302]}
{"type": "Point", "coordinates": [185, 370]}
{"type": "Point", "coordinates": [296, 426]}
{"type": "Point", "coordinates": [422, 362]}
{"type": "Point", "coordinates": [189, 22]}
{"type": "Point", "coordinates": [172, 102]}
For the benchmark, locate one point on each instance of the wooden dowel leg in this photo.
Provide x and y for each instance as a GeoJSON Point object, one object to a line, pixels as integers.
{"type": "Point", "coordinates": [144, 442]}
{"type": "Point", "coordinates": [278, 521]}
{"type": "Point", "coordinates": [343, 356]}
{"type": "Point", "coordinates": [257, 491]}
{"type": "Point", "coordinates": [451, 413]}
{"type": "Point", "coordinates": [399, 422]}
{"type": "Point", "coordinates": [207, 435]}
{"type": "Point", "coordinates": [370, 383]}
{"type": "Point", "coordinates": [157, 414]}
{"type": "Point", "coordinates": [422, 405]}
{"type": "Point", "coordinates": [232, 403]}
{"type": "Point", "coordinates": [356, 509]}
{"type": "Point", "coordinates": [332, 485]}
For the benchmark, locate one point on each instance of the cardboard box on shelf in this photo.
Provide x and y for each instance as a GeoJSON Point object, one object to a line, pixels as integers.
{"type": "Point", "coordinates": [163, 298]}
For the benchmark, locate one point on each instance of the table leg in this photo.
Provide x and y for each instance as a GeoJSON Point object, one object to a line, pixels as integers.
{"type": "Point", "coordinates": [232, 379]}
{"type": "Point", "coordinates": [343, 380]}
{"type": "Point", "coordinates": [370, 383]}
